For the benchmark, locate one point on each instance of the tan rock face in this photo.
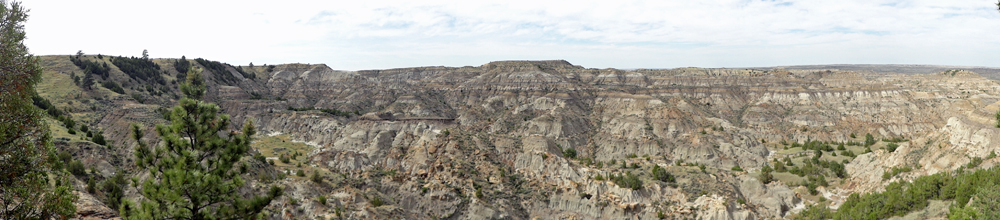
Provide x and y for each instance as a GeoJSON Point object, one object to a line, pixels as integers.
{"type": "Point", "coordinates": [489, 141]}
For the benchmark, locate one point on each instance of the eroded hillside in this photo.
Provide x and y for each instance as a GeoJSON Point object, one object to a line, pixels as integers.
{"type": "Point", "coordinates": [547, 139]}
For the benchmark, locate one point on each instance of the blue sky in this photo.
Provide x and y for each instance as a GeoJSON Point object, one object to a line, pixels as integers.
{"type": "Point", "coordinates": [356, 35]}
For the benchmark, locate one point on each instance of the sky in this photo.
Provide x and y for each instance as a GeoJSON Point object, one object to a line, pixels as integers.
{"type": "Point", "coordinates": [360, 35]}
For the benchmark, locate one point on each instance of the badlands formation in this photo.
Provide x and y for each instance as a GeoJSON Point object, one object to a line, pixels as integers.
{"type": "Point", "coordinates": [552, 140]}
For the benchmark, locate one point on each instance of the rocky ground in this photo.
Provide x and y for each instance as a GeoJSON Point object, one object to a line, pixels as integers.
{"type": "Point", "coordinates": [493, 141]}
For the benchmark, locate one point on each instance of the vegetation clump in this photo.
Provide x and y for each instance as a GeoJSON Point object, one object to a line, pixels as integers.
{"type": "Point", "coordinates": [628, 180]}
{"type": "Point", "coordinates": [662, 175]}
{"type": "Point", "coordinates": [141, 68]}
{"type": "Point", "coordinates": [30, 186]}
{"type": "Point", "coordinates": [193, 173]}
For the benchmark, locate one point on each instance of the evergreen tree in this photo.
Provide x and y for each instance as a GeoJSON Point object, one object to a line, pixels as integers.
{"type": "Point", "coordinates": [194, 173]}
{"type": "Point", "coordinates": [88, 81]}
{"type": "Point", "coordinates": [25, 145]}
{"type": "Point", "coordinates": [765, 174]}
{"type": "Point", "coordinates": [182, 66]}
{"type": "Point", "coordinates": [869, 139]}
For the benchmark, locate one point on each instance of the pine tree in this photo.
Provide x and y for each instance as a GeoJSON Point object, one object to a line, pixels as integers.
{"type": "Point", "coordinates": [194, 173]}
{"type": "Point", "coordinates": [88, 81]}
{"type": "Point", "coordinates": [765, 174]}
{"type": "Point", "coordinates": [26, 150]}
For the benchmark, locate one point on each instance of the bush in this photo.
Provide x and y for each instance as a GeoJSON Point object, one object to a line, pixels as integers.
{"type": "Point", "coordinates": [99, 138]}
{"type": "Point", "coordinates": [284, 159]}
{"type": "Point", "coordinates": [111, 85]}
{"type": "Point", "coordinates": [114, 189]}
{"type": "Point", "coordinates": [316, 178]}
{"type": "Point", "coordinates": [377, 201]}
{"type": "Point", "coordinates": [91, 185]}
{"type": "Point", "coordinates": [737, 168]}
{"type": "Point", "coordinates": [661, 174]}
{"type": "Point", "coordinates": [869, 139]}
{"type": "Point", "coordinates": [300, 173]}
{"type": "Point", "coordinates": [765, 175]}
{"type": "Point", "coordinates": [76, 168]}
{"type": "Point", "coordinates": [627, 181]}
{"type": "Point", "coordinates": [891, 147]}
{"type": "Point", "coordinates": [780, 167]}
{"type": "Point", "coordinates": [260, 157]}
{"type": "Point", "coordinates": [569, 153]}
{"type": "Point", "coordinates": [974, 162]}
{"type": "Point", "coordinates": [322, 200]}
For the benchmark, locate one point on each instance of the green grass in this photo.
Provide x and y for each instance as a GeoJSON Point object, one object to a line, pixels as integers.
{"type": "Point", "coordinates": [274, 146]}
{"type": "Point", "coordinates": [786, 178]}
{"type": "Point", "coordinates": [58, 131]}
{"type": "Point", "coordinates": [57, 86]}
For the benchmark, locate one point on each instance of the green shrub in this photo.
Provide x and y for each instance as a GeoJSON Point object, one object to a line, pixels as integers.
{"type": "Point", "coordinates": [737, 168]}
{"type": "Point", "coordinates": [974, 162]}
{"type": "Point", "coordinates": [765, 174]}
{"type": "Point", "coordinates": [869, 139]}
{"type": "Point", "coordinates": [321, 200]}
{"type": "Point", "coordinates": [662, 175]}
{"type": "Point", "coordinates": [627, 181]}
{"type": "Point", "coordinates": [114, 189]}
{"type": "Point", "coordinates": [91, 185]}
{"type": "Point", "coordinates": [260, 157]}
{"type": "Point", "coordinates": [891, 147]}
{"type": "Point", "coordinates": [377, 201]}
{"type": "Point", "coordinates": [316, 177]}
{"type": "Point", "coordinates": [99, 138]}
{"type": "Point", "coordinates": [76, 168]}
{"type": "Point", "coordinates": [300, 173]}
{"type": "Point", "coordinates": [780, 167]}
{"type": "Point", "coordinates": [569, 153]}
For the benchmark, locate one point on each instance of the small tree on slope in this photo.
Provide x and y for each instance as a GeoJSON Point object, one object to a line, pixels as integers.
{"type": "Point", "coordinates": [194, 173]}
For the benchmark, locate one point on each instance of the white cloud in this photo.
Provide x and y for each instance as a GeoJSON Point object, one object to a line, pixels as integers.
{"type": "Point", "coordinates": [629, 34]}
